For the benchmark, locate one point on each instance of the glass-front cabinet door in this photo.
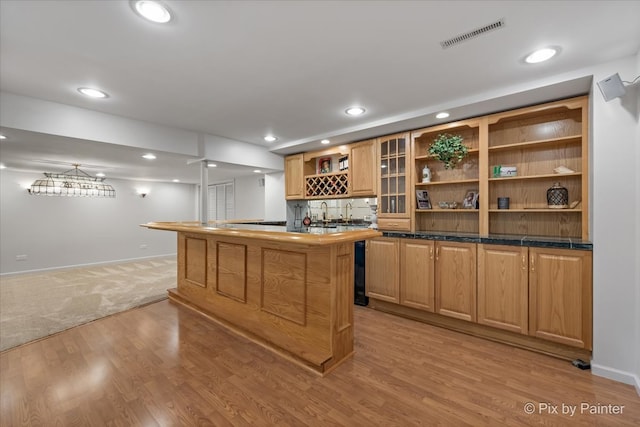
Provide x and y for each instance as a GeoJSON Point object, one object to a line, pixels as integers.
{"type": "Point", "coordinates": [394, 200]}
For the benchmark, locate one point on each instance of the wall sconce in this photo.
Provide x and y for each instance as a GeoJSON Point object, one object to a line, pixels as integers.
{"type": "Point", "coordinates": [143, 195]}
{"type": "Point", "coordinates": [142, 192]}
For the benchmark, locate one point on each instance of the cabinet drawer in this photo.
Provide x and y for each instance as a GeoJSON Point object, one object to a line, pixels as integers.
{"type": "Point", "coordinates": [400, 224]}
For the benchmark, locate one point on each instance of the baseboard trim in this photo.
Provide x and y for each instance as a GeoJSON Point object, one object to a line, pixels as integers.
{"type": "Point", "coordinates": [91, 264]}
{"type": "Point", "coordinates": [616, 375]}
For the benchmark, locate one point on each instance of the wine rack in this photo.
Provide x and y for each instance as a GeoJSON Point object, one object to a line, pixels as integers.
{"type": "Point", "coordinates": [327, 184]}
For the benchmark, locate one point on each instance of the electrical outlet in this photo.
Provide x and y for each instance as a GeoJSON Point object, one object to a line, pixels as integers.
{"type": "Point", "coordinates": [143, 246]}
{"type": "Point", "coordinates": [21, 257]}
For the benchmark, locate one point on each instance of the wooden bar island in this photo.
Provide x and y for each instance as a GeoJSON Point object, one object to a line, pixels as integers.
{"type": "Point", "coordinates": [291, 292]}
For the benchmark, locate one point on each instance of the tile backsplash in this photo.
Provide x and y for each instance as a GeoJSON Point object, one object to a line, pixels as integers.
{"type": "Point", "coordinates": [356, 209]}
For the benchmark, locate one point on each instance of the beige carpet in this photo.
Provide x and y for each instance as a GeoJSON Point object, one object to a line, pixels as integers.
{"type": "Point", "coordinates": [35, 305]}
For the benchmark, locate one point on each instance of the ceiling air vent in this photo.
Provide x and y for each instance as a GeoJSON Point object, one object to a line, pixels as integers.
{"type": "Point", "coordinates": [471, 34]}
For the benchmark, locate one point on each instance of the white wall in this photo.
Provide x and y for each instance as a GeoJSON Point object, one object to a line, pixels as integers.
{"type": "Point", "coordinates": [249, 197]}
{"type": "Point", "coordinates": [58, 232]}
{"type": "Point", "coordinates": [637, 261]}
{"type": "Point", "coordinates": [275, 208]}
{"type": "Point", "coordinates": [616, 306]}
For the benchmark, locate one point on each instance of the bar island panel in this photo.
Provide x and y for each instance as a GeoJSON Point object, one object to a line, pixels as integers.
{"type": "Point", "coordinates": [289, 291]}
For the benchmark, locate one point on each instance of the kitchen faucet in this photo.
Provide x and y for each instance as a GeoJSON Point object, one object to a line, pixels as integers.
{"type": "Point", "coordinates": [325, 211]}
{"type": "Point", "coordinates": [348, 217]}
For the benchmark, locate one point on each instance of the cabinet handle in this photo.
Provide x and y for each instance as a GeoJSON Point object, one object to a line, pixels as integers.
{"type": "Point", "coordinates": [437, 254]}
{"type": "Point", "coordinates": [533, 267]}
{"type": "Point", "coordinates": [524, 262]}
{"type": "Point", "coordinates": [430, 253]}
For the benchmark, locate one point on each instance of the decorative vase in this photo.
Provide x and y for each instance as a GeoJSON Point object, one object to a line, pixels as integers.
{"type": "Point", "coordinates": [557, 197]}
{"type": "Point", "coordinates": [374, 217]}
{"type": "Point", "coordinates": [426, 174]}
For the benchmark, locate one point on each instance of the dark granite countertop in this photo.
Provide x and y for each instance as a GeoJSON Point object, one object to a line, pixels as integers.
{"type": "Point", "coordinates": [497, 239]}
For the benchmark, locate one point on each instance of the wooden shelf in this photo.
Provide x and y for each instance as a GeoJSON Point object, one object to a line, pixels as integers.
{"type": "Point", "coordinates": [546, 176]}
{"type": "Point", "coordinates": [459, 181]}
{"type": "Point", "coordinates": [577, 139]}
{"type": "Point", "coordinates": [440, 210]}
{"type": "Point", "coordinates": [430, 157]}
{"type": "Point", "coordinates": [393, 156]}
{"type": "Point", "coordinates": [536, 210]}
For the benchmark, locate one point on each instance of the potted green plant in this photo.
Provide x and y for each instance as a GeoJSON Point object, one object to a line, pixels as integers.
{"type": "Point", "coordinates": [449, 149]}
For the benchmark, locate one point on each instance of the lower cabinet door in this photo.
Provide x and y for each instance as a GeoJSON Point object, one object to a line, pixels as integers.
{"type": "Point", "coordinates": [417, 274]}
{"type": "Point", "coordinates": [382, 269]}
{"type": "Point", "coordinates": [503, 287]}
{"type": "Point", "coordinates": [455, 280]}
{"type": "Point", "coordinates": [560, 295]}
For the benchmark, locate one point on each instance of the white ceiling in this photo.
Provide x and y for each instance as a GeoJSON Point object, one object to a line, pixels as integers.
{"type": "Point", "coordinates": [243, 69]}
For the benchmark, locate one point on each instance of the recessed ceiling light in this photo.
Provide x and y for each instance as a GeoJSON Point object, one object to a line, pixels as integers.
{"type": "Point", "coordinates": [540, 55]}
{"type": "Point", "coordinates": [3, 137]}
{"type": "Point", "coordinates": [2, 166]}
{"type": "Point", "coordinates": [355, 111]}
{"type": "Point", "coordinates": [176, 180]}
{"type": "Point", "coordinates": [325, 141]}
{"type": "Point", "coordinates": [153, 11]}
{"type": "Point", "coordinates": [149, 156]}
{"type": "Point", "coordinates": [270, 138]}
{"type": "Point", "coordinates": [100, 174]}
{"type": "Point", "coordinates": [92, 93]}
{"type": "Point", "coordinates": [257, 171]}
{"type": "Point", "coordinates": [212, 165]}
{"type": "Point", "coordinates": [442, 115]}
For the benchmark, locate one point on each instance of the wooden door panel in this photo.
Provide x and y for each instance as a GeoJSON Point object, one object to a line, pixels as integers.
{"type": "Point", "coordinates": [503, 287]}
{"type": "Point", "coordinates": [382, 269]}
{"type": "Point", "coordinates": [417, 274]}
{"type": "Point", "coordinates": [456, 280]}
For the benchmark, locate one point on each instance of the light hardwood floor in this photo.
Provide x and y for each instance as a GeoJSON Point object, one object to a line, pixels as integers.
{"type": "Point", "coordinates": [164, 365]}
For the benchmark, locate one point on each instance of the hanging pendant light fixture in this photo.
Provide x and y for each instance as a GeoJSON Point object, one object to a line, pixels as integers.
{"type": "Point", "coordinates": [73, 183]}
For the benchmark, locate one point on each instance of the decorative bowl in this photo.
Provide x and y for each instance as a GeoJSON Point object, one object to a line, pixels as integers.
{"type": "Point", "coordinates": [448, 205]}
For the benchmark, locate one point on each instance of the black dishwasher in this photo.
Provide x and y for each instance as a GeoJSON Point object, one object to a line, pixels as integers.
{"type": "Point", "coordinates": [359, 294]}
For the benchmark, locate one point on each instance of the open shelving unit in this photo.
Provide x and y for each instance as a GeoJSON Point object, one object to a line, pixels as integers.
{"type": "Point", "coordinates": [535, 140]}
{"type": "Point", "coordinates": [447, 185]}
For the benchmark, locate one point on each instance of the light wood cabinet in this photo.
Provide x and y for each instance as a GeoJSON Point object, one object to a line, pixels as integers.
{"type": "Point", "coordinates": [382, 269]}
{"type": "Point", "coordinates": [417, 265]}
{"type": "Point", "coordinates": [294, 177]}
{"type": "Point", "coordinates": [540, 292]}
{"type": "Point", "coordinates": [536, 141]}
{"type": "Point", "coordinates": [455, 280]}
{"type": "Point", "coordinates": [326, 173]}
{"type": "Point", "coordinates": [503, 287]}
{"type": "Point", "coordinates": [362, 166]}
{"type": "Point", "coordinates": [447, 185]}
{"type": "Point", "coordinates": [560, 296]}
{"type": "Point", "coordinates": [394, 201]}
{"type": "Point", "coordinates": [336, 172]}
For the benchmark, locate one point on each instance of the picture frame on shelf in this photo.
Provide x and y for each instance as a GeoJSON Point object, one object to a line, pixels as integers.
{"type": "Point", "coordinates": [470, 199]}
{"type": "Point", "coordinates": [324, 165]}
{"type": "Point", "coordinates": [423, 200]}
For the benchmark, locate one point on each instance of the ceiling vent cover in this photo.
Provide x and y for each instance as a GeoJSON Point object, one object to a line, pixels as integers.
{"type": "Point", "coordinates": [472, 34]}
